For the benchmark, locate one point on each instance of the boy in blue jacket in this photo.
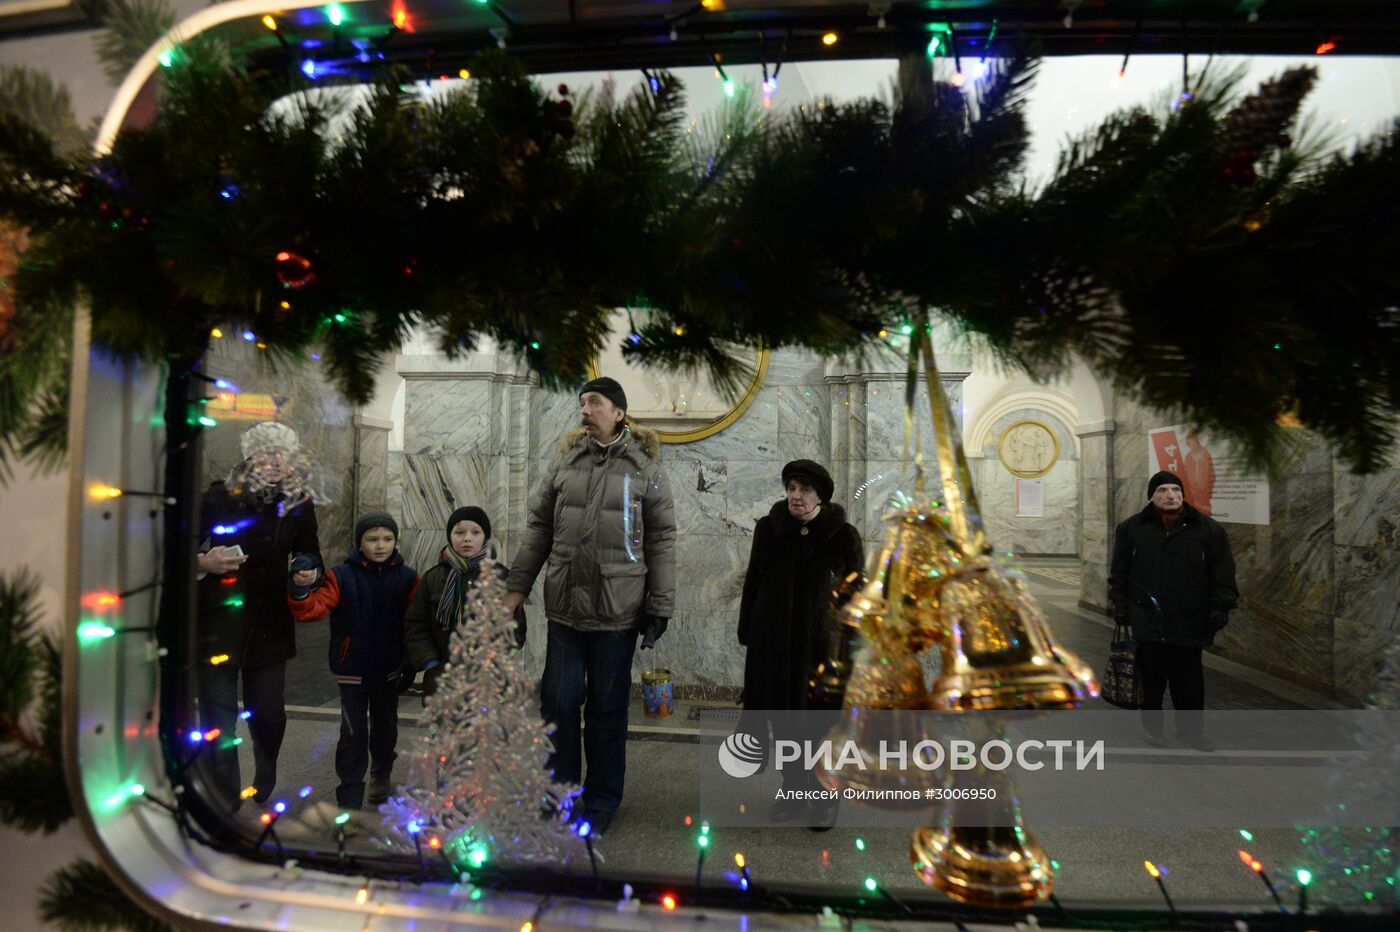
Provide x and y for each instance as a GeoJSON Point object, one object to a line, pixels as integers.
{"type": "Point", "coordinates": [366, 597]}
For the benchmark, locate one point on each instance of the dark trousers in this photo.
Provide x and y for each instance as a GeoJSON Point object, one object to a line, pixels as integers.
{"type": "Point", "coordinates": [1177, 666]}
{"type": "Point", "coordinates": [592, 671]}
{"type": "Point", "coordinates": [369, 729]}
{"type": "Point", "coordinates": [264, 697]}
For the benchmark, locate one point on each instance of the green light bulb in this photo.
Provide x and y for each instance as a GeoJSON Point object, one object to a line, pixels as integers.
{"type": "Point", "coordinates": [870, 884]}
{"type": "Point", "coordinates": [1304, 876]}
{"type": "Point", "coordinates": [90, 631]}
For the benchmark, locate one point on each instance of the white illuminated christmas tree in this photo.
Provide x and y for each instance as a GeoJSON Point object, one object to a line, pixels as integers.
{"type": "Point", "coordinates": [476, 784]}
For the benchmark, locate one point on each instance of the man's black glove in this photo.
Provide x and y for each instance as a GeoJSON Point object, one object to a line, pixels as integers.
{"type": "Point", "coordinates": [652, 629]}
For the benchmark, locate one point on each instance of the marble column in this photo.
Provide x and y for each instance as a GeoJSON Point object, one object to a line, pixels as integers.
{"type": "Point", "coordinates": [867, 433]}
{"type": "Point", "coordinates": [1096, 512]}
{"type": "Point", "coordinates": [370, 475]}
{"type": "Point", "coordinates": [465, 443]}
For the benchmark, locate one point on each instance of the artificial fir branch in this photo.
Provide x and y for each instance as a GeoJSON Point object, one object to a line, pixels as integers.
{"type": "Point", "coordinates": [34, 798]}
{"type": "Point", "coordinates": [133, 26]}
{"type": "Point", "coordinates": [1177, 249]}
{"type": "Point", "coordinates": [33, 791]}
{"type": "Point", "coordinates": [44, 105]}
{"type": "Point", "coordinates": [36, 122]}
{"type": "Point", "coordinates": [19, 655]}
{"type": "Point", "coordinates": [82, 898]}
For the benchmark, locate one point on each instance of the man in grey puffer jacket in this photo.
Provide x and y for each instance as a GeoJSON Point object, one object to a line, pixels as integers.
{"type": "Point", "coordinates": [604, 521]}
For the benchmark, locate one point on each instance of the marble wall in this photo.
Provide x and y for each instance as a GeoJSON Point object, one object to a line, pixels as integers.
{"type": "Point", "coordinates": [1056, 533]}
{"type": "Point", "coordinates": [370, 471]}
{"type": "Point", "coordinates": [476, 431]}
{"type": "Point", "coordinates": [1097, 516]}
{"type": "Point", "coordinates": [1319, 584]}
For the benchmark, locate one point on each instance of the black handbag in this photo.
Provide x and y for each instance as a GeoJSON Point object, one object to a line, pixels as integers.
{"type": "Point", "coordinates": [1121, 684]}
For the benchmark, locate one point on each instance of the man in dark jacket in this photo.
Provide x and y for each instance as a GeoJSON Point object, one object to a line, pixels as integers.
{"type": "Point", "coordinates": [254, 521]}
{"type": "Point", "coordinates": [604, 520]}
{"type": "Point", "coordinates": [1173, 581]}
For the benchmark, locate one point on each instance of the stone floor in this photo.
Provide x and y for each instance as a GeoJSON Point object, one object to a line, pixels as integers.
{"type": "Point", "coordinates": [649, 836]}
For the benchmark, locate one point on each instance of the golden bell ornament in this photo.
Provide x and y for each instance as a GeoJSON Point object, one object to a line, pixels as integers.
{"type": "Point", "coordinates": [889, 684]}
{"type": "Point", "coordinates": [997, 652]}
{"type": "Point", "coordinates": [1001, 867]}
{"type": "Point", "coordinates": [917, 557]}
{"type": "Point", "coordinates": [933, 582]}
{"type": "Point", "coordinates": [993, 864]}
{"type": "Point", "coordinates": [868, 731]}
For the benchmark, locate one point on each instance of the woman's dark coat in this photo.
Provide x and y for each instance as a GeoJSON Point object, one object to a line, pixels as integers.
{"type": "Point", "coordinates": [245, 613]}
{"type": "Point", "coordinates": [794, 569]}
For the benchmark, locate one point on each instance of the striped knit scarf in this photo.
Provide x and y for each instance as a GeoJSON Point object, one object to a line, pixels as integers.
{"type": "Point", "coordinates": [451, 604]}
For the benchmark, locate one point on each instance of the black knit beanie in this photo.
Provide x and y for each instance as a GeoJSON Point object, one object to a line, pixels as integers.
{"type": "Point", "coordinates": [608, 388]}
{"type": "Point", "coordinates": [373, 519]}
{"type": "Point", "coordinates": [1164, 478]}
{"type": "Point", "coordinates": [469, 513]}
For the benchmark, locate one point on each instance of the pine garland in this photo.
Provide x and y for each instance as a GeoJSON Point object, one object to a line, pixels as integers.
{"type": "Point", "coordinates": [35, 340]}
{"type": "Point", "coordinates": [133, 26]}
{"type": "Point", "coordinates": [33, 791]}
{"type": "Point", "coordinates": [83, 898]}
{"type": "Point", "coordinates": [1197, 257]}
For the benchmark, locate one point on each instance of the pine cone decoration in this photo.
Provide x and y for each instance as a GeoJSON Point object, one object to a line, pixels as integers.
{"type": "Point", "coordinates": [1261, 121]}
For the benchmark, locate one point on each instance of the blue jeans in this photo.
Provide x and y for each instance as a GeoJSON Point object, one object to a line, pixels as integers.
{"type": "Point", "coordinates": [592, 671]}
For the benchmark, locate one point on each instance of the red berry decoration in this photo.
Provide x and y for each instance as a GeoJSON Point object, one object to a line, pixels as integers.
{"type": "Point", "coordinates": [563, 90]}
{"type": "Point", "coordinates": [294, 270]}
